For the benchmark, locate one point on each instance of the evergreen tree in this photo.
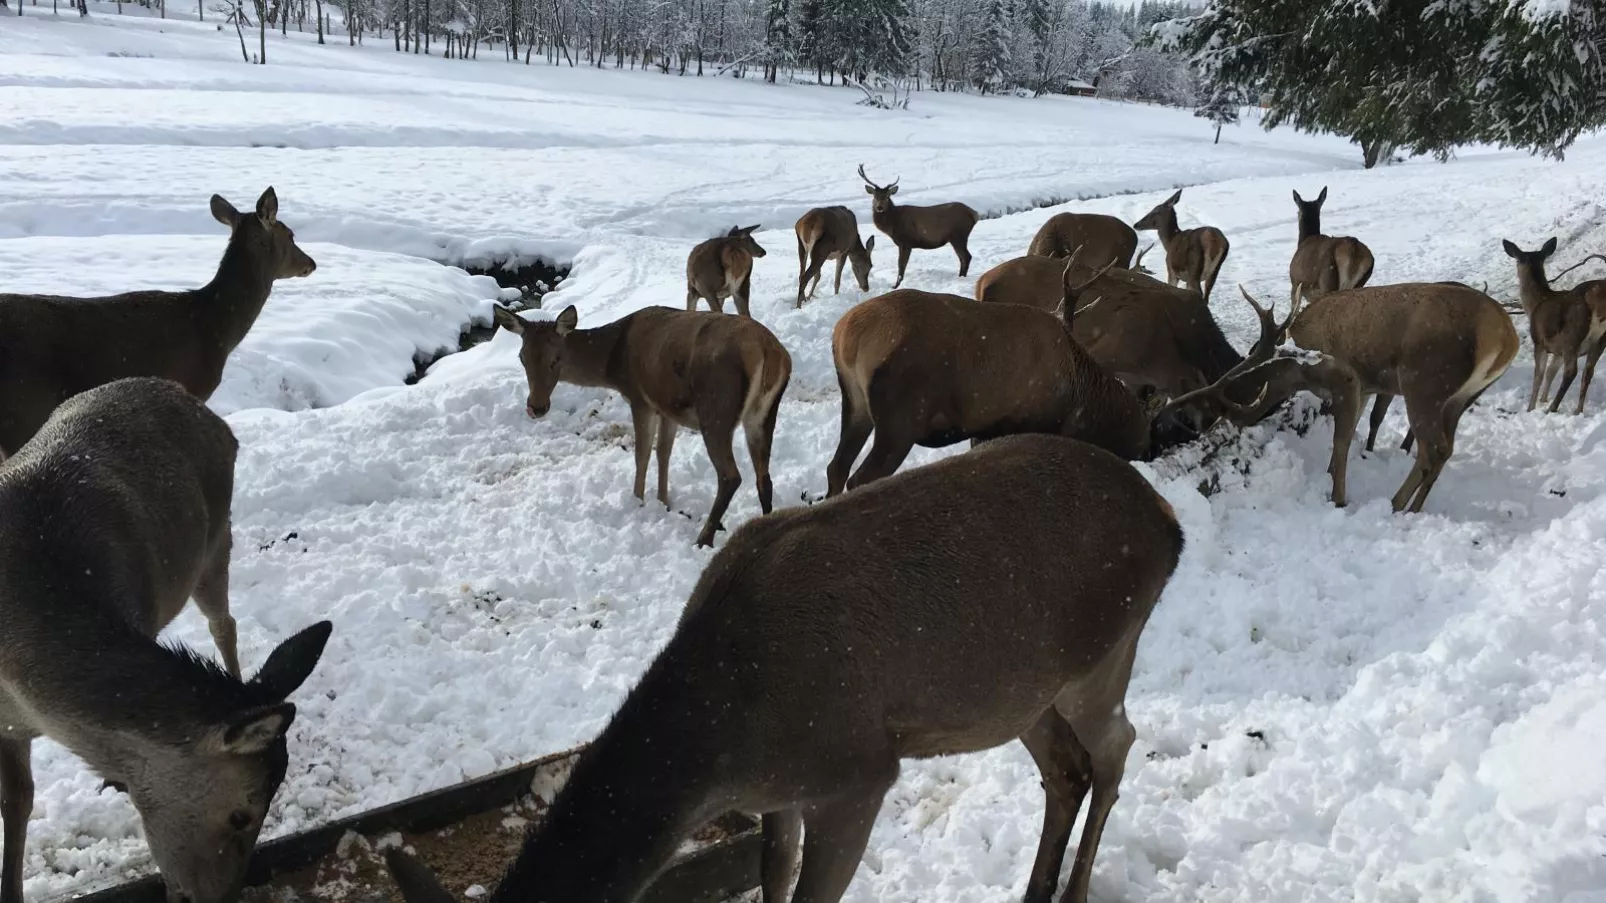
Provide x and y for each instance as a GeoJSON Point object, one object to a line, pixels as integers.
{"type": "Point", "coordinates": [1221, 108]}
{"type": "Point", "coordinates": [777, 37]}
{"type": "Point", "coordinates": [989, 49]}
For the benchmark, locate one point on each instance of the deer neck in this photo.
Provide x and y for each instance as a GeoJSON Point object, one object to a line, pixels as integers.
{"type": "Point", "coordinates": [231, 302]}
{"type": "Point", "coordinates": [1532, 286]}
{"type": "Point", "coordinates": [1167, 228]}
{"type": "Point", "coordinates": [588, 356]}
{"type": "Point", "coordinates": [1310, 224]}
{"type": "Point", "coordinates": [1107, 413]}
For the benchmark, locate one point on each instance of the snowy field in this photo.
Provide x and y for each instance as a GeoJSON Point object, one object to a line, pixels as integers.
{"type": "Point", "coordinates": [1330, 705]}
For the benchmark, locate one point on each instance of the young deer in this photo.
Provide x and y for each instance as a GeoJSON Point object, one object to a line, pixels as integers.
{"type": "Point", "coordinates": [925, 228]}
{"type": "Point", "coordinates": [1321, 263]}
{"type": "Point", "coordinates": [703, 371]}
{"type": "Point", "coordinates": [919, 368]}
{"type": "Point", "coordinates": [830, 233]}
{"type": "Point", "coordinates": [1562, 324]}
{"type": "Point", "coordinates": [803, 672]}
{"type": "Point", "coordinates": [111, 517]}
{"type": "Point", "coordinates": [1101, 239]}
{"type": "Point", "coordinates": [721, 268]}
{"type": "Point", "coordinates": [54, 347]}
{"type": "Point", "coordinates": [1438, 344]}
{"type": "Point", "coordinates": [1192, 257]}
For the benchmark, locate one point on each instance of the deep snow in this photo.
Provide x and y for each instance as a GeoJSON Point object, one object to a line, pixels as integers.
{"type": "Point", "coordinates": [1331, 705]}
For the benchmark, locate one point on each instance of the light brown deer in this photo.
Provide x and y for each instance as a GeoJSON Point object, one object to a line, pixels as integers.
{"type": "Point", "coordinates": [53, 347]}
{"type": "Point", "coordinates": [1440, 345]}
{"type": "Point", "coordinates": [926, 228]}
{"type": "Point", "coordinates": [703, 371]}
{"type": "Point", "coordinates": [721, 268]}
{"type": "Point", "coordinates": [112, 516]}
{"type": "Point", "coordinates": [1562, 325]}
{"type": "Point", "coordinates": [919, 368]}
{"type": "Point", "coordinates": [1102, 239]}
{"type": "Point", "coordinates": [830, 233]}
{"type": "Point", "coordinates": [1193, 257]}
{"type": "Point", "coordinates": [1322, 263]}
{"type": "Point", "coordinates": [804, 671]}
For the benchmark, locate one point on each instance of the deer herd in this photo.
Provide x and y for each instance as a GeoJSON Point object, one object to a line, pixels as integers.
{"type": "Point", "coordinates": [803, 670]}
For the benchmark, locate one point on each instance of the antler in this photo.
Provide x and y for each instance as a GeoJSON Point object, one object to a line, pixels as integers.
{"type": "Point", "coordinates": [870, 183]}
{"type": "Point", "coordinates": [1264, 348]}
{"type": "Point", "coordinates": [1138, 263]}
{"type": "Point", "coordinates": [1067, 308]}
{"type": "Point", "coordinates": [1577, 265]}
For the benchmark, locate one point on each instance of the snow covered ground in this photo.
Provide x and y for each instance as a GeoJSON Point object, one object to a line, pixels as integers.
{"type": "Point", "coordinates": [1331, 705]}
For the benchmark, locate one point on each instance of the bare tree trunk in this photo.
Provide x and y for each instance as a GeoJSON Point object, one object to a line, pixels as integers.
{"type": "Point", "coordinates": [1218, 134]}
{"type": "Point", "coordinates": [320, 20]}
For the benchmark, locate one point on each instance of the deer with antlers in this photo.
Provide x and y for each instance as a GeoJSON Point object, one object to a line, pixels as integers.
{"type": "Point", "coordinates": [1322, 263]}
{"type": "Point", "coordinates": [1193, 257]}
{"type": "Point", "coordinates": [1563, 325]}
{"type": "Point", "coordinates": [925, 228]}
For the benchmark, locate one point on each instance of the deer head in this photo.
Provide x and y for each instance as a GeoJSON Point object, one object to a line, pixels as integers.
{"type": "Point", "coordinates": [270, 239]}
{"type": "Point", "coordinates": [541, 353]}
{"type": "Point", "coordinates": [880, 196]}
{"type": "Point", "coordinates": [743, 237]}
{"type": "Point", "coordinates": [1163, 212]}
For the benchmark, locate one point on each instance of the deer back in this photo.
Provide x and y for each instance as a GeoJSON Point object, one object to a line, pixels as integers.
{"type": "Point", "coordinates": [717, 263]}
{"type": "Point", "coordinates": [925, 227]}
{"type": "Point", "coordinates": [1102, 238]}
{"type": "Point", "coordinates": [829, 230]}
{"type": "Point", "coordinates": [672, 358]}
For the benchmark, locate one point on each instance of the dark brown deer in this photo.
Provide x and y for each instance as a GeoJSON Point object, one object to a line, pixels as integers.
{"type": "Point", "coordinates": [703, 371]}
{"type": "Point", "coordinates": [926, 228]}
{"type": "Point", "coordinates": [1322, 263]}
{"type": "Point", "coordinates": [53, 347]}
{"type": "Point", "coordinates": [830, 233]}
{"type": "Point", "coordinates": [1193, 257]}
{"type": "Point", "coordinates": [1101, 239]}
{"type": "Point", "coordinates": [111, 518]}
{"type": "Point", "coordinates": [804, 671]}
{"type": "Point", "coordinates": [919, 368]}
{"type": "Point", "coordinates": [1562, 325]}
{"type": "Point", "coordinates": [721, 268]}
{"type": "Point", "coordinates": [1440, 345]}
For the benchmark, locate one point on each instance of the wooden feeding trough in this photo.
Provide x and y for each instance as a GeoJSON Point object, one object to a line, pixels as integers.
{"type": "Point", "coordinates": [469, 834]}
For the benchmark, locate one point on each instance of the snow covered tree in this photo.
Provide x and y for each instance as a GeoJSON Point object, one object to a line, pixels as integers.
{"type": "Point", "coordinates": [777, 37]}
{"type": "Point", "coordinates": [989, 49]}
{"type": "Point", "coordinates": [1420, 74]}
{"type": "Point", "coordinates": [1221, 109]}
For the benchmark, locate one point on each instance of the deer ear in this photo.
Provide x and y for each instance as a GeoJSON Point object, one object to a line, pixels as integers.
{"type": "Point", "coordinates": [893, 188]}
{"type": "Point", "coordinates": [508, 320]}
{"type": "Point", "coordinates": [268, 207]}
{"type": "Point", "coordinates": [224, 212]}
{"type": "Point", "coordinates": [1297, 198]}
{"type": "Point", "coordinates": [567, 320]}
{"type": "Point", "coordinates": [291, 662]}
{"type": "Point", "coordinates": [734, 232]}
{"type": "Point", "coordinates": [751, 229]}
{"type": "Point", "coordinates": [870, 245]}
{"type": "Point", "coordinates": [1512, 250]}
{"type": "Point", "coordinates": [1549, 248]}
{"type": "Point", "coordinates": [1322, 198]}
{"type": "Point", "coordinates": [250, 732]}
{"type": "Point", "coordinates": [1174, 198]}
{"type": "Point", "coordinates": [869, 190]}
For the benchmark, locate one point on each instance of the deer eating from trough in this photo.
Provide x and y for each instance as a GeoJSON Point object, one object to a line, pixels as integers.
{"type": "Point", "coordinates": [803, 671]}
{"type": "Point", "coordinates": [111, 517]}
{"type": "Point", "coordinates": [1323, 263]}
{"type": "Point", "coordinates": [830, 233]}
{"type": "Point", "coordinates": [721, 268]}
{"type": "Point", "coordinates": [704, 371]}
{"type": "Point", "coordinates": [1562, 324]}
{"type": "Point", "coordinates": [1193, 257]}
{"type": "Point", "coordinates": [1101, 240]}
{"type": "Point", "coordinates": [53, 347]}
{"type": "Point", "coordinates": [925, 228]}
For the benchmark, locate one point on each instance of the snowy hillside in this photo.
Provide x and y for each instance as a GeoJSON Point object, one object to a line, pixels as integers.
{"type": "Point", "coordinates": [1330, 705]}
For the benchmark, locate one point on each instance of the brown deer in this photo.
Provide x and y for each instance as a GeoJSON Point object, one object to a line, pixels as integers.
{"type": "Point", "coordinates": [830, 233]}
{"type": "Point", "coordinates": [1322, 263]}
{"type": "Point", "coordinates": [804, 671]}
{"type": "Point", "coordinates": [703, 371]}
{"type": "Point", "coordinates": [54, 347]}
{"type": "Point", "coordinates": [1440, 345]}
{"type": "Point", "coordinates": [721, 268]}
{"type": "Point", "coordinates": [1193, 257]}
{"type": "Point", "coordinates": [919, 368]}
{"type": "Point", "coordinates": [1562, 324]}
{"type": "Point", "coordinates": [111, 517]}
{"type": "Point", "coordinates": [926, 228]}
{"type": "Point", "coordinates": [1102, 239]}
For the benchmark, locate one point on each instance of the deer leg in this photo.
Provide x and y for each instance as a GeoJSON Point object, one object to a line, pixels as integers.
{"type": "Point", "coordinates": [666, 448]}
{"type": "Point", "coordinates": [778, 853]}
{"type": "Point", "coordinates": [641, 417]}
{"type": "Point", "coordinates": [962, 249]}
{"type": "Point", "coordinates": [840, 260]}
{"type": "Point", "coordinates": [834, 837]}
{"type": "Point", "coordinates": [691, 299]}
{"type": "Point", "coordinates": [1569, 362]}
{"type": "Point", "coordinates": [857, 424]}
{"type": "Point", "coordinates": [212, 598]}
{"type": "Point", "coordinates": [717, 432]}
{"type": "Point", "coordinates": [1347, 404]}
{"type": "Point", "coordinates": [1065, 770]}
{"type": "Point", "coordinates": [1539, 377]}
{"type": "Point", "coordinates": [1380, 409]}
{"type": "Point", "coordinates": [811, 272]}
{"type": "Point", "coordinates": [1589, 373]}
{"type": "Point", "coordinates": [1432, 450]}
{"type": "Point", "coordinates": [1106, 735]}
{"type": "Point", "coordinates": [903, 262]}
{"type": "Point", "coordinates": [1552, 366]}
{"type": "Point", "coordinates": [741, 295]}
{"type": "Point", "coordinates": [760, 432]}
{"type": "Point", "coordinates": [16, 805]}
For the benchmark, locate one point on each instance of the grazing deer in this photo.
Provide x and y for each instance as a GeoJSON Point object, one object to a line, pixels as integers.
{"type": "Point", "coordinates": [1562, 324]}
{"type": "Point", "coordinates": [703, 371]}
{"type": "Point", "coordinates": [804, 671]}
{"type": "Point", "coordinates": [919, 368]}
{"type": "Point", "coordinates": [721, 268]}
{"type": "Point", "coordinates": [926, 228]}
{"type": "Point", "coordinates": [1101, 239]}
{"type": "Point", "coordinates": [53, 347]}
{"type": "Point", "coordinates": [1192, 257]}
{"type": "Point", "coordinates": [111, 517]}
{"type": "Point", "coordinates": [830, 233]}
{"type": "Point", "coordinates": [1321, 263]}
{"type": "Point", "coordinates": [1440, 345]}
